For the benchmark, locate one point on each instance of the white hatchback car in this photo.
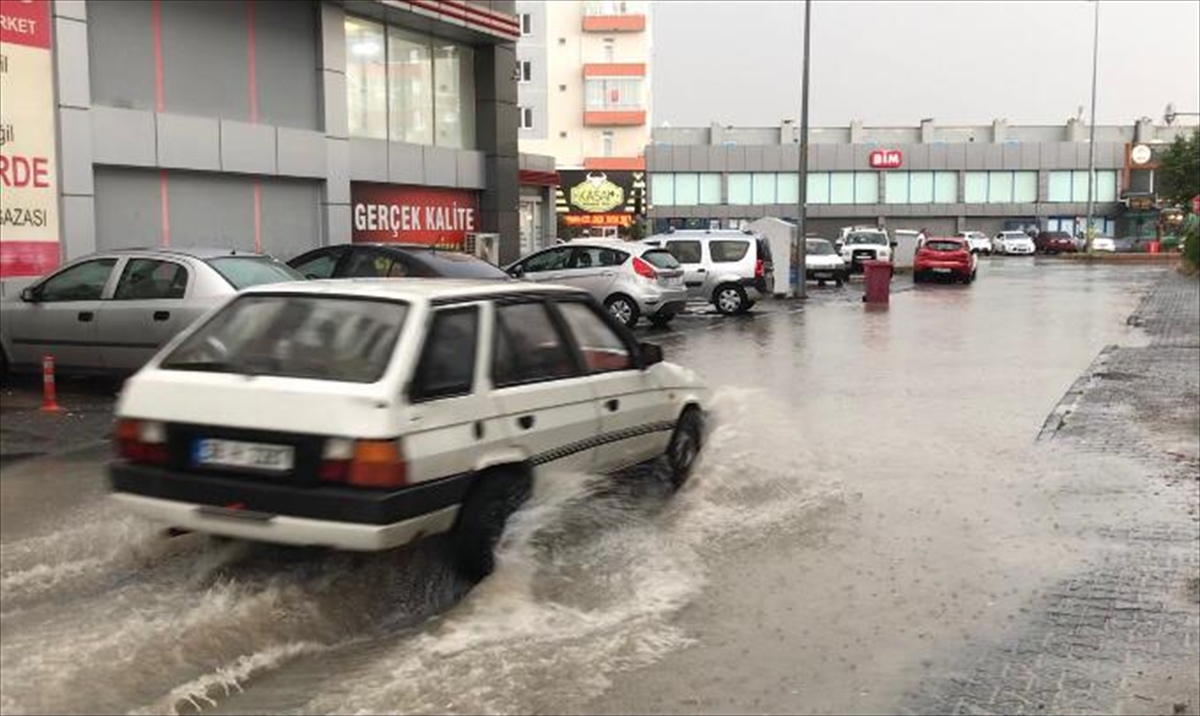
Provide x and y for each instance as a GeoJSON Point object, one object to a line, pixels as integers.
{"type": "Point", "coordinates": [364, 414]}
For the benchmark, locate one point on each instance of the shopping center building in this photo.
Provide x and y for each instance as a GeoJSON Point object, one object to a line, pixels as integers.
{"type": "Point", "coordinates": [941, 178]}
{"type": "Point", "coordinates": [258, 124]}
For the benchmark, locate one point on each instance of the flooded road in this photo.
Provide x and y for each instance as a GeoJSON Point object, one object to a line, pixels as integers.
{"type": "Point", "coordinates": [872, 502]}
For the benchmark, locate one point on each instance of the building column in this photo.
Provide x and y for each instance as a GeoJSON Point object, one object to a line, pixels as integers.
{"type": "Point", "coordinates": [335, 191]}
{"type": "Point", "coordinates": [496, 136]}
{"type": "Point", "coordinates": [76, 185]}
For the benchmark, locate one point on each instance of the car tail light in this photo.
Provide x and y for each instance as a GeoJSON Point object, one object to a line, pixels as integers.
{"type": "Point", "coordinates": [143, 441]}
{"type": "Point", "coordinates": [643, 269]}
{"type": "Point", "coordinates": [363, 463]}
{"type": "Point", "coordinates": [760, 268]}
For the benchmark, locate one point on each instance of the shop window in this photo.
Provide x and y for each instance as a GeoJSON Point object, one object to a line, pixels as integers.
{"type": "Point", "coordinates": [895, 188]}
{"type": "Point", "coordinates": [975, 187]}
{"type": "Point", "coordinates": [841, 188]}
{"type": "Point", "coordinates": [454, 98]}
{"type": "Point", "coordinates": [739, 189]}
{"type": "Point", "coordinates": [710, 189]}
{"type": "Point", "coordinates": [410, 75]}
{"type": "Point", "coordinates": [787, 189]}
{"type": "Point", "coordinates": [662, 189]}
{"type": "Point", "coordinates": [817, 189]}
{"type": "Point", "coordinates": [763, 189]}
{"type": "Point", "coordinates": [366, 79]}
{"type": "Point", "coordinates": [1000, 187]}
{"type": "Point", "coordinates": [920, 188]}
{"type": "Point", "coordinates": [1025, 187]}
{"type": "Point", "coordinates": [945, 187]}
{"type": "Point", "coordinates": [687, 189]}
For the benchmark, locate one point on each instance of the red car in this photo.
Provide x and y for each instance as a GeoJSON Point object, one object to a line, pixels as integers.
{"type": "Point", "coordinates": [944, 258]}
{"type": "Point", "coordinates": [1054, 242]}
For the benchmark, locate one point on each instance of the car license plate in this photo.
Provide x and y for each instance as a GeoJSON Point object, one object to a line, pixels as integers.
{"type": "Point", "coordinates": [671, 280]}
{"type": "Point", "coordinates": [941, 270]}
{"type": "Point", "coordinates": [823, 274]}
{"type": "Point", "coordinates": [247, 456]}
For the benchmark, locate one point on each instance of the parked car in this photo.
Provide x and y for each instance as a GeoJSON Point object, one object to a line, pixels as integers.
{"type": "Point", "coordinates": [630, 279]}
{"type": "Point", "coordinates": [393, 261]}
{"type": "Point", "coordinates": [1013, 243]}
{"type": "Point", "coordinates": [110, 311]}
{"type": "Point", "coordinates": [1054, 242]}
{"type": "Point", "coordinates": [821, 263]}
{"type": "Point", "coordinates": [978, 241]}
{"type": "Point", "coordinates": [362, 415]}
{"type": "Point", "coordinates": [944, 258]}
{"type": "Point", "coordinates": [1104, 244]}
{"type": "Point", "coordinates": [865, 244]}
{"type": "Point", "coordinates": [730, 269]}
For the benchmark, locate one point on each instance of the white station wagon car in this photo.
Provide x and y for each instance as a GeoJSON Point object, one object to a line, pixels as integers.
{"type": "Point", "coordinates": [364, 414]}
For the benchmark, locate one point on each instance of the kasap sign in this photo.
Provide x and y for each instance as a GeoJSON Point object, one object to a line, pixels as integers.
{"type": "Point", "coordinates": [595, 198]}
{"type": "Point", "coordinates": [28, 182]}
{"type": "Point", "coordinates": [412, 214]}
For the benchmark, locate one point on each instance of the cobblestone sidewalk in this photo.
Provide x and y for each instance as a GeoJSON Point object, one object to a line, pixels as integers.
{"type": "Point", "coordinates": [1124, 637]}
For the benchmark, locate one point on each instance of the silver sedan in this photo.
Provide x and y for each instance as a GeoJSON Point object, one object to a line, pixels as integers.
{"type": "Point", "coordinates": [111, 311]}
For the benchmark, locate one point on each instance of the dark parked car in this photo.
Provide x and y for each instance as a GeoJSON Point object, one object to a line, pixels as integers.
{"type": "Point", "coordinates": [393, 261]}
{"type": "Point", "coordinates": [1054, 242]}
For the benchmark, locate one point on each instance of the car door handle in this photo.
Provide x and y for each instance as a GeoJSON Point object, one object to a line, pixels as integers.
{"type": "Point", "coordinates": [162, 315]}
{"type": "Point", "coordinates": [701, 270]}
{"type": "Point", "coordinates": [608, 273]}
{"type": "Point", "coordinates": [86, 316]}
{"type": "Point", "coordinates": [525, 421]}
{"type": "Point", "coordinates": [612, 405]}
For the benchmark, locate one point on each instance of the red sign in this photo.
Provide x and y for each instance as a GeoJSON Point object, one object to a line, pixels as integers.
{"type": "Point", "coordinates": [25, 22]}
{"type": "Point", "coordinates": [885, 159]}
{"type": "Point", "coordinates": [621, 220]}
{"type": "Point", "coordinates": [412, 214]}
{"type": "Point", "coordinates": [1196, 204]}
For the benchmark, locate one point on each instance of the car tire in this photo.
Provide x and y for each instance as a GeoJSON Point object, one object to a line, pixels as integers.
{"type": "Point", "coordinates": [493, 498]}
{"type": "Point", "coordinates": [918, 277]}
{"type": "Point", "coordinates": [729, 299]}
{"type": "Point", "coordinates": [661, 321]}
{"type": "Point", "coordinates": [623, 308]}
{"type": "Point", "coordinates": [684, 448]}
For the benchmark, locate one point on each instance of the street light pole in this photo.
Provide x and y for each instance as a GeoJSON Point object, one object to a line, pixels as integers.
{"type": "Point", "coordinates": [799, 245]}
{"type": "Point", "coordinates": [1089, 230]}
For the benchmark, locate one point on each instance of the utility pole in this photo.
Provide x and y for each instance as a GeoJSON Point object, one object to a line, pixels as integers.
{"type": "Point", "coordinates": [1089, 231]}
{"type": "Point", "coordinates": [799, 245]}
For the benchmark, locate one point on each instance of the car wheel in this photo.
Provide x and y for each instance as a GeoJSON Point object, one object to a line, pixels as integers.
{"type": "Point", "coordinates": [729, 299]}
{"type": "Point", "coordinates": [481, 519]}
{"type": "Point", "coordinates": [918, 277]}
{"type": "Point", "coordinates": [820, 282]}
{"type": "Point", "coordinates": [684, 447]}
{"type": "Point", "coordinates": [624, 309]}
{"type": "Point", "coordinates": [661, 321]}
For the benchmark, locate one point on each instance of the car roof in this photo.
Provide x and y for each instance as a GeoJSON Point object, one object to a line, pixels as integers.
{"type": "Point", "coordinates": [386, 245]}
{"type": "Point", "coordinates": [195, 252]}
{"type": "Point", "coordinates": [705, 234]}
{"type": "Point", "coordinates": [415, 290]}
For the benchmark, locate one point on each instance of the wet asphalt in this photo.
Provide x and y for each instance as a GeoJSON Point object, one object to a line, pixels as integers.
{"type": "Point", "coordinates": [873, 507]}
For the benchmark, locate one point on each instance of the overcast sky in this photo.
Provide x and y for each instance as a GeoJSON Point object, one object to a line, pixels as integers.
{"type": "Point", "coordinates": [887, 63]}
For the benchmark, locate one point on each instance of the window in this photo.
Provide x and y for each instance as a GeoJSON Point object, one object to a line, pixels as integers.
{"type": "Point", "coordinates": [762, 188]}
{"type": "Point", "coordinates": [739, 189]}
{"type": "Point", "coordinates": [246, 271]}
{"type": "Point", "coordinates": [866, 188]}
{"type": "Point", "coordinates": [818, 188]}
{"type": "Point", "coordinates": [920, 187]}
{"type": "Point", "coordinates": [975, 187]}
{"type": "Point", "coordinates": [526, 70]}
{"type": "Point", "coordinates": [728, 251]}
{"type": "Point", "coordinates": [612, 93]}
{"type": "Point", "coordinates": [945, 187]}
{"type": "Point", "coordinates": [593, 257]}
{"type": "Point", "coordinates": [367, 263]}
{"type": "Point", "coordinates": [599, 345]}
{"type": "Point", "coordinates": [526, 24]}
{"type": "Point", "coordinates": [710, 189]}
{"type": "Point", "coordinates": [526, 118]}
{"type": "Point", "coordinates": [1073, 186]}
{"type": "Point", "coordinates": [447, 365]}
{"type": "Point", "coordinates": [687, 189]}
{"type": "Point", "coordinates": [148, 279]}
{"type": "Point", "coordinates": [662, 189]}
{"type": "Point", "coordinates": [1000, 187]}
{"type": "Point", "coordinates": [320, 264]}
{"type": "Point", "coordinates": [319, 337]}
{"type": "Point", "coordinates": [1025, 187]}
{"type": "Point", "coordinates": [685, 252]}
{"type": "Point", "coordinates": [788, 188]}
{"type": "Point", "coordinates": [606, 144]}
{"type": "Point", "coordinates": [660, 258]}
{"type": "Point", "coordinates": [406, 86]}
{"type": "Point", "coordinates": [366, 80]}
{"type": "Point", "coordinates": [609, 49]}
{"type": "Point", "coordinates": [552, 260]}
{"type": "Point", "coordinates": [81, 282]}
{"type": "Point", "coordinates": [841, 188]}
{"type": "Point", "coordinates": [528, 348]}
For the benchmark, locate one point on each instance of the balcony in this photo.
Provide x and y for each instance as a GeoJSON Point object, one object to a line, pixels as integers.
{"type": "Point", "coordinates": [614, 117]}
{"type": "Point", "coordinates": [613, 16]}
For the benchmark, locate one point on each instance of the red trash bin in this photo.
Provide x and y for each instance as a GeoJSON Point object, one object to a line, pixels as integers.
{"type": "Point", "coordinates": [1152, 247]}
{"type": "Point", "coordinates": [877, 275]}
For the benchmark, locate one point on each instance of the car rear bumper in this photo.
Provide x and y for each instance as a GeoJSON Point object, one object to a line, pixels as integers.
{"type": "Point", "coordinates": [942, 267]}
{"type": "Point", "coordinates": [274, 511]}
{"type": "Point", "coordinates": [282, 529]}
{"type": "Point", "coordinates": [653, 300]}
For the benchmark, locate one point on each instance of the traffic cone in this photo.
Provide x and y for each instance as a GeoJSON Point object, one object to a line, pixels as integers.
{"type": "Point", "coordinates": [49, 394]}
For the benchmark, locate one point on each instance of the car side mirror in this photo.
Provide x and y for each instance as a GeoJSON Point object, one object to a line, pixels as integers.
{"type": "Point", "coordinates": [894, 244]}
{"type": "Point", "coordinates": [516, 271]}
{"type": "Point", "coordinates": [29, 295]}
{"type": "Point", "coordinates": [651, 354]}
{"type": "Point", "coordinates": [311, 276]}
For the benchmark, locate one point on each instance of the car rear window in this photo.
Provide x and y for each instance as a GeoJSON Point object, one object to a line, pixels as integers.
{"type": "Point", "coordinates": [819, 247]}
{"type": "Point", "coordinates": [764, 250]}
{"type": "Point", "coordinates": [728, 251]}
{"type": "Point", "coordinates": [660, 258]}
{"type": "Point", "coordinates": [295, 336]}
{"type": "Point", "coordinates": [943, 245]}
{"type": "Point", "coordinates": [874, 238]}
{"type": "Point", "coordinates": [246, 271]}
{"type": "Point", "coordinates": [452, 264]}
